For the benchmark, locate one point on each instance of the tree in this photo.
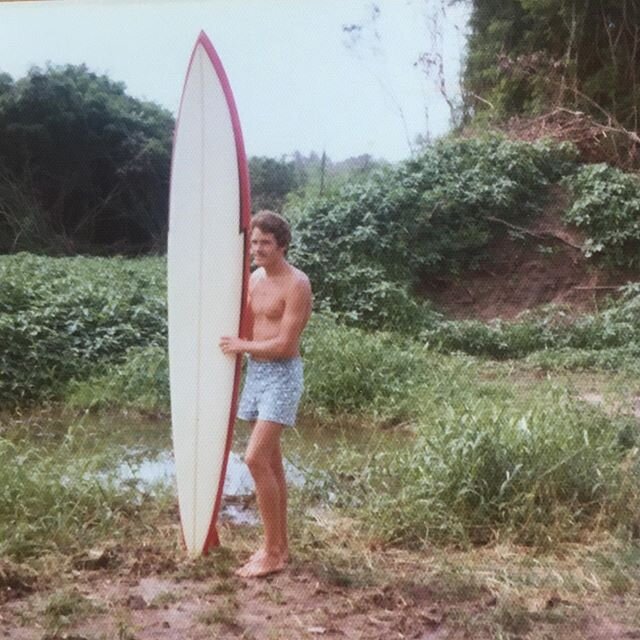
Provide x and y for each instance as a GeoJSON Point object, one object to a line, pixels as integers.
{"type": "Point", "coordinates": [98, 160]}
{"type": "Point", "coordinates": [271, 181]}
{"type": "Point", "coordinates": [525, 56]}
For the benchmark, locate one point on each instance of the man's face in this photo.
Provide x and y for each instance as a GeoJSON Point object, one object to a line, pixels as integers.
{"type": "Point", "coordinates": [264, 248]}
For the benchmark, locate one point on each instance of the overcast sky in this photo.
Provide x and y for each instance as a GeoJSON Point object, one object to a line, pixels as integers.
{"type": "Point", "coordinates": [299, 80]}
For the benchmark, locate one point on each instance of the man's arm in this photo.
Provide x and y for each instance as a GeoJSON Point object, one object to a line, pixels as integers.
{"type": "Point", "coordinates": [296, 314]}
{"type": "Point", "coordinates": [248, 328]}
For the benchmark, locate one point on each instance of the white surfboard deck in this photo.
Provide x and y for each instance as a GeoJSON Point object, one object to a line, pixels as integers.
{"type": "Point", "coordinates": [209, 212]}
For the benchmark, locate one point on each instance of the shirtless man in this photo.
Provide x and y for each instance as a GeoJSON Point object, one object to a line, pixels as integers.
{"type": "Point", "coordinates": [280, 305]}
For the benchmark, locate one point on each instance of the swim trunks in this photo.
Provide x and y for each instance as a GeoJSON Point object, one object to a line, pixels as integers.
{"type": "Point", "coordinates": [272, 390]}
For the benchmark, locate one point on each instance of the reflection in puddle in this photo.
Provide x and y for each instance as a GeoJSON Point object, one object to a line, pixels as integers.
{"type": "Point", "coordinates": [238, 481]}
{"type": "Point", "coordinates": [310, 450]}
{"type": "Point", "coordinates": [238, 503]}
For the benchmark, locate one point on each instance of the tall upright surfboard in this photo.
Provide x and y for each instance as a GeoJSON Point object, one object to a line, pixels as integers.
{"type": "Point", "coordinates": [208, 268]}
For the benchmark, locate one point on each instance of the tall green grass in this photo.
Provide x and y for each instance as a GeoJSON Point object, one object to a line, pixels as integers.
{"type": "Point", "coordinates": [61, 496]}
{"type": "Point", "coordinates": [491, 459]}
{"type": "Point", "coordinates": [489, 462]}
{"type": "Point", "coordinates": [139, 382]}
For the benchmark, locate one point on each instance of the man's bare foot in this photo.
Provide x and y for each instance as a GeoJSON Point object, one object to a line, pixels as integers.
{"type": "Point", "coordinates": [257, 555]}
{"type": "Point", "coordinates": [262, 552]}
{"type": "Point", "coordinates": [262, 564]}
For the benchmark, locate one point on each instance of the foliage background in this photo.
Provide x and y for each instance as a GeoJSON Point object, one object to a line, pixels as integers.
{"type": "Point", "coordinates": [525, 56]}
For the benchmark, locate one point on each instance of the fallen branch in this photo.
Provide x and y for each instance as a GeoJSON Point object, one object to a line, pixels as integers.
{"type": "Point", "coordinates": [544, 236]}
{"type": "Point", "coordinates": [593, 288]}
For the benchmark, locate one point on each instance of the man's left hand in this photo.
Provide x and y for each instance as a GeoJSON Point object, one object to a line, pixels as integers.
{"type": "Point", "coordinates": [231, 345]}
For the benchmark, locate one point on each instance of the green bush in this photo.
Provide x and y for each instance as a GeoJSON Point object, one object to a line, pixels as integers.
{"type": "Point", "coordinates": [428, 215]}
{"type": "Point", "coordinates": [497, 339]}
{"type": "Point", "coordinates": [607, 207]}
{"type": "Point", "coordinates": [614, 332]}
{"type": "Point", "coordinates": [101, 324]}
{"type": "Point", "coordinates": [61, 318]}
{"type": "Point", "coordinates": [625, 358]}
{"type": "Point", "coordinates": [360, 296]}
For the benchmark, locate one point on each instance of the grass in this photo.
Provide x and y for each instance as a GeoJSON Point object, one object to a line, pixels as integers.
{"type": "Point", "coordinates": [61, 492]}
{"type": "Point", "coordinates": [218, 563]}
{"type": "Point", "coordinates": [490, 451]}
{"type": "Point", "coordinates": [490, 459]}
{"type": "Point", "coordinates": [488, 478]}
{"type": "Point", "coordinates": [479, 461]}
{"type": "Point", "coordinates": [164, 599]}
{"type": "Point", "coordinates": [499, 590]}
{"type": "Point", "coordinates": [65, 607]}
{"type": "Point", "coordinates": [222, 614]}
{"type": "Point", "coordinates": [223, 587]}
{"type": "Point", "coordinates": [140, 383]}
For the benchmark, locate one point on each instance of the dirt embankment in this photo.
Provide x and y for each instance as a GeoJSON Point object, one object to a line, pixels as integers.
{"type": "Point", "coordinates": [527, 267]}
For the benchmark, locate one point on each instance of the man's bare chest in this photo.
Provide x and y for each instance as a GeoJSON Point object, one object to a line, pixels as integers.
{"type": "Point", "coordinates": [267, 301]}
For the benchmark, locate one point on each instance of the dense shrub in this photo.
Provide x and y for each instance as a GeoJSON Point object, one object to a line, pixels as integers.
{"type": "Point", "coordinates": [428, 215]}
{"type": "Point", "coordinates": [62, 318]}
{"type": "Point", "coordinates": [607, 207]}
{"type": "Point", "coordinates": [77, 318]}
{"type": "Point", "coordinates": [614, 330]}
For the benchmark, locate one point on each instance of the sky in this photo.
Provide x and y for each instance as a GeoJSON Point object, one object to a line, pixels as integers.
{"type": "Point", "coordinates": [300, 81]}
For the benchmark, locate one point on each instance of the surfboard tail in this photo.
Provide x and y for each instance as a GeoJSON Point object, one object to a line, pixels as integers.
{"type": "Point", "coordinates": [212, 541]}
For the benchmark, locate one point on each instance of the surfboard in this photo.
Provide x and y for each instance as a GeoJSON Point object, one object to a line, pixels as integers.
{"type": "Point", "coordinates": [207, 274]}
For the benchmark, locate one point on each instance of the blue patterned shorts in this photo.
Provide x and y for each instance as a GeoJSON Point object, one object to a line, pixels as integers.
{"type": "Point", "coordinates": [272, 390]}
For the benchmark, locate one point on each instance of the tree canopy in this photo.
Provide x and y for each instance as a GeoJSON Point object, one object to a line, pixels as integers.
{"type": "Point", "coordinates": [525, 56]}
{"type": "Point", "coordinates": [91, 163]}
{"type": "Point", "coordinates": [271, 181]}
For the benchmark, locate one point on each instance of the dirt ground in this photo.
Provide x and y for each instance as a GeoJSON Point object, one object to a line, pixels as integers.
{"type": "Point", "coordinates": [148, 590]}
{"type": "Point", "coordinates": [526, 268]}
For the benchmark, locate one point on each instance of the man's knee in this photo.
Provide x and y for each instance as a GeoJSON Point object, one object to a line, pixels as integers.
{"type": "Point", "coordinates": [257, 462]}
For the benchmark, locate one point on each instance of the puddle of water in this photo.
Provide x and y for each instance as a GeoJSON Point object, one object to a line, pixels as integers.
{"type": "Point", "coordinates": [144, 447]}
{"type": "Point", "coordinates": [238, 481]}
{"type": "Point", "coordinates": [159, 469]}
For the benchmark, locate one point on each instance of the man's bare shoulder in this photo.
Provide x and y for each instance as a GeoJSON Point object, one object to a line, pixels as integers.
{"type": "Point", "coordinates": [300, 280]}
{"type": "Point", "coordinates": [299, 286]}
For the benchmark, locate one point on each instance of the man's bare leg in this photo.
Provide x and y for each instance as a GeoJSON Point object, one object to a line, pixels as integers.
{"type": "Point", "coordinates": [263, 448]}
{"type": "Point", "coordinates": [278, 469]}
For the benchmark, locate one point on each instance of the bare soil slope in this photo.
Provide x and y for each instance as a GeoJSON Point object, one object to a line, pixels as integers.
{"type": "Point", "coordinates": [528, 267]}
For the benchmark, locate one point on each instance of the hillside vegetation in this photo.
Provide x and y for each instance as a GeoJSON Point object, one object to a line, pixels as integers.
{"type": "Point", "coordinates": [365, 247]}
{"type": "Point", "coordinates": [576, 60]}
{"type": "Point", "coordinates": [370, 246]}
